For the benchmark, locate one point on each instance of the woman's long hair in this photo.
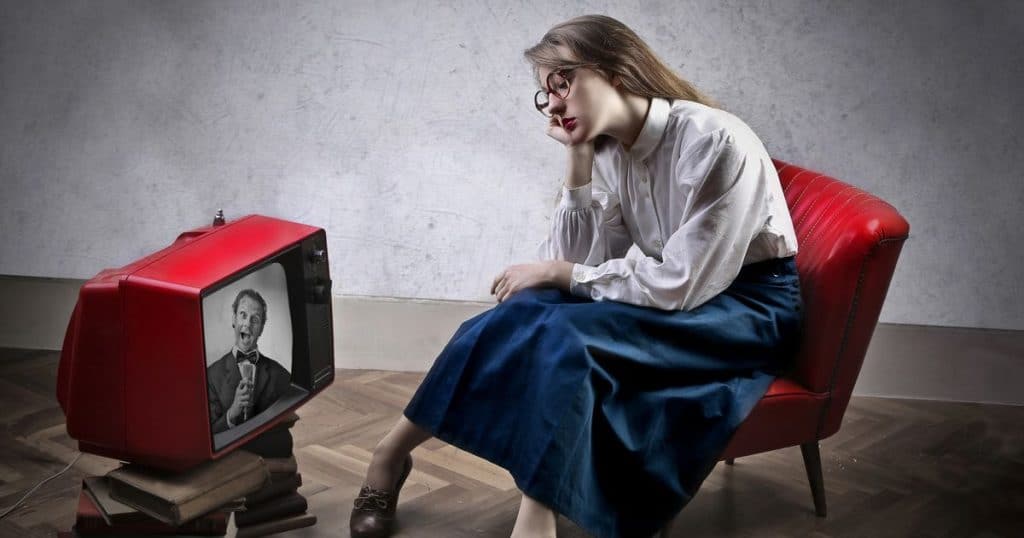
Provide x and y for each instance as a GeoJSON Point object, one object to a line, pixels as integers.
{"type": "Point", "coordinates": [618, 51]}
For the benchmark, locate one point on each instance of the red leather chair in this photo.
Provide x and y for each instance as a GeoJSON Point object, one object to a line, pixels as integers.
{"type": "Point", "coordinates": [848, 243]}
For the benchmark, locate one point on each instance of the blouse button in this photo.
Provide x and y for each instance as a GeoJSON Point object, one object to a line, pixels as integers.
{"type": "Point", "coordinates": [643, 179]}
{"type": "Point", "coordinates": [657, 243]}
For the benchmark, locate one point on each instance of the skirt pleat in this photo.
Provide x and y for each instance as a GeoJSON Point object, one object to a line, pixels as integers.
{"type": "Point", "coordinates": [611, 414]}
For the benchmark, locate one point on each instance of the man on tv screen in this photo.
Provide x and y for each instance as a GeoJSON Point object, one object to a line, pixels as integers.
{"type": "Point", "coordinates": [243, 382]}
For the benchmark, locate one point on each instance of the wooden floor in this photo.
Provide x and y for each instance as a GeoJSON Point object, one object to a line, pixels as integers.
{"type": "Point", "coordinates": [896, 468]}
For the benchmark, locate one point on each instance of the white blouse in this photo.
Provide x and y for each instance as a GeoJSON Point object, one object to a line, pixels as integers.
{"type": "Point", "coordinates": [697, 194]}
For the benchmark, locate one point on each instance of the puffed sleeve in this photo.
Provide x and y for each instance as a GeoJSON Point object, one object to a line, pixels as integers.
{"type": "Point", "coordinates": [587, 225]}
{"type": "Point", "coordinates": [705, 253]}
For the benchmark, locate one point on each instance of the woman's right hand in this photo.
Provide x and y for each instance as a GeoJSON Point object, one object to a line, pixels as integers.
{"type": "Point", "coordinates": [556, 131]}
{"type": "Point", "coordinates": [581, 154]}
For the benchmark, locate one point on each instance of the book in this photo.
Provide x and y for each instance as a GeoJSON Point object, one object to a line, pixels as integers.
{"type": "Point", "coordinates": [75, 533]}
{"type": "Point", "coordinates": [276, 488]}
{"type": "Point", "coordinates": [276, 508]}
{"type": "Point", "coordinates": [278, 525]}
{"type": "Point", "coordinates": [282, 466]}
{"type": "Point", "coordinates": [113, 512]}
{"type": "Point", "coordinates": [176, 498]}
{"type": "Point", "coordinates": [90, 522]}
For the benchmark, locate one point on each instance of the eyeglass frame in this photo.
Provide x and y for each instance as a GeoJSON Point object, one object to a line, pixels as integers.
{"type": "Point", "coordinates": [562, 72]}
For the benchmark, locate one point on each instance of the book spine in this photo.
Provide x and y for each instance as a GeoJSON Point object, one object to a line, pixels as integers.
{"type": "Point", "coordinates": [275, 489]}
{"type": "Point", "coordinates": [223, 494]}
{"type": "Point", "coordinates": [288, 506]}
{"type": "Point", "coordinates": [142, 501]}
{"type": "Point", "coordinates": [279, 525]}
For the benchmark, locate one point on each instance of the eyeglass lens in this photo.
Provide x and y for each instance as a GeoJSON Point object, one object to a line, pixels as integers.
{"type": "Point", "coordinates": [557, 84]}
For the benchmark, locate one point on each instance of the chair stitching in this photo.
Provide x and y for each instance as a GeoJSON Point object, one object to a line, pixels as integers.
{"type": "Point", "coordinates": [846, 330]}
{"type": "Point", "coordinates": [865, 197]}
{"type": "Point", "coordinates": [832, 200]}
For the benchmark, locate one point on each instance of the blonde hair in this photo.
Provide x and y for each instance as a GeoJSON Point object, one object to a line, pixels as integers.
{"type": "Point", "coordinates": [618, 52]}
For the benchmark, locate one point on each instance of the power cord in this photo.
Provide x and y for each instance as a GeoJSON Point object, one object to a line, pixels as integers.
{"type": "Point", "coordinates": [34, 488]}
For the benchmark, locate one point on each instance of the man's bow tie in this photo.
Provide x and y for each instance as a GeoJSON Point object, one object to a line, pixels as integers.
{"type": "Point", "coordinates": [250, 356]}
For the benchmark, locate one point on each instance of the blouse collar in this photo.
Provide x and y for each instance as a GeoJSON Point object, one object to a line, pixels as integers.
{"type": "Point", "coordinates": [653, 129]}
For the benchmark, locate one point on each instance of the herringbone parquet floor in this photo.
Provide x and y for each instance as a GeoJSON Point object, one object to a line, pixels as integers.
{"type": "Point", "coordinates": [896, 468]}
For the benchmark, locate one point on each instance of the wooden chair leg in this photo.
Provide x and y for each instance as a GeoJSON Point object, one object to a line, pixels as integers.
{"type": "Point", "coordinates": [812, 463]}
{"type": "Point", "coordinates": [730, 461]}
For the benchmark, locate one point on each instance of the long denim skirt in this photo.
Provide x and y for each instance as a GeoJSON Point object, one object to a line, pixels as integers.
{"type": "Point", "coordinates": [612, 414]}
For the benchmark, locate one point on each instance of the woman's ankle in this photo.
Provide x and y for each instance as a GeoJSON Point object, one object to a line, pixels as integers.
{"type": "Point", "coordinates": [534, 520]}
{"type": "Point", "coordinates": [385, 468]}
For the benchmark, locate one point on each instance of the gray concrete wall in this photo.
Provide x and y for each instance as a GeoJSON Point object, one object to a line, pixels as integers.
{"type": "Point", "coordinates": [406, 129]}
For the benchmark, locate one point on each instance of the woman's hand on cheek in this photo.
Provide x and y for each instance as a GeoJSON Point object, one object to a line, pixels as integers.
{"type": "Point", "coordinates": [556, 131]}
{"type": "Point", "coordinates": [520, 277]}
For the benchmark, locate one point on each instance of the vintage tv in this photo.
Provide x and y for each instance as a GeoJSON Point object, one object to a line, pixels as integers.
{"type": "Point", "coordinates": [136, 379]}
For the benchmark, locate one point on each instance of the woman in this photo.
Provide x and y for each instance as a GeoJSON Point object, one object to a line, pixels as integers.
{"type": "Point", "coordinates": [608, 380]}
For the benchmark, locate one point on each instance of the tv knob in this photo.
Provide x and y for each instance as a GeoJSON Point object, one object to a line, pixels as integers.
{"type": "Point", "coordinates": [322, 292]}
{"type": "Point", "coordinates": [318, 255]}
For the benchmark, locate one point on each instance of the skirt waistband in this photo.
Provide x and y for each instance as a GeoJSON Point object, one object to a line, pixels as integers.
{"type": "Point", "coordinates": [774, 266]}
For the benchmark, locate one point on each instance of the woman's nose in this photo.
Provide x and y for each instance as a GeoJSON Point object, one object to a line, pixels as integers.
{"type": "Point", "coordinates": [556, 105]}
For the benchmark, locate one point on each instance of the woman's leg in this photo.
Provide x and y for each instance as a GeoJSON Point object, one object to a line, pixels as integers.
{"type": "Point", "coordinates": [534, 520]}
{"type": "Point", "coordinates": [391, 451]}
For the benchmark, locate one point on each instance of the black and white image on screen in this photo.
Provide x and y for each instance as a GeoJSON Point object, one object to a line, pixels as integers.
{"type": "Point", "coordinates": [248, 347]}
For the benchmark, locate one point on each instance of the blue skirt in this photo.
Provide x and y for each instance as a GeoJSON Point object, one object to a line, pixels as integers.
{"type": "Point", "coordinates": [611, 414]}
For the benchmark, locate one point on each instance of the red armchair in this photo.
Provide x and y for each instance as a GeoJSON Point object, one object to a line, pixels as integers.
{"type": "Point", "coordinates": [848, 241]}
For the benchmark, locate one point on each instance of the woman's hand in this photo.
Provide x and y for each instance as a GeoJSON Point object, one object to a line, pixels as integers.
{"type": "Point", "coordinates": [531, 275]}
{"type": "Point", "coordinates": [556, 131]}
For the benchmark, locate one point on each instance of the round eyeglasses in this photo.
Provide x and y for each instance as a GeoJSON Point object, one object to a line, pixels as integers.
{"type": "Point", "coordinates": [558, 82]}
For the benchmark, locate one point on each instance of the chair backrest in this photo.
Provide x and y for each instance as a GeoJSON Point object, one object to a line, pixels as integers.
{"type": "Point", "coordinates": [848, 243]}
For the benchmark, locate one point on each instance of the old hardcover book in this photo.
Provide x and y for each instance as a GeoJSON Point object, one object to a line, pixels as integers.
{"type": "Point", "coordinates": [278, 525]}
{"type": "Point", "coordinates": [276, 488]}
{"type": "Point", "coordinates": [89, 522]}
{"type": "Point", "coordinates": [282, 466]}
{"type": "Point", "coordinates": [277, 508]}
{"type": "Point", "coordinates": [113, 512]}
{"type": "Point", "coordinates": [175, 498]}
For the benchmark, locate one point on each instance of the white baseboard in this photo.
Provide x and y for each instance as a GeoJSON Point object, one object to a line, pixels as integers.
{"type": "Point", "coordinates": [903, 361]}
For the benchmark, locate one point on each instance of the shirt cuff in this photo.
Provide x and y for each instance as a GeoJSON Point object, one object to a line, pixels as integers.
{"type": "Point", "coordinates": [579, 281]}
{"type": "Point", "coordinates": [577, 198]}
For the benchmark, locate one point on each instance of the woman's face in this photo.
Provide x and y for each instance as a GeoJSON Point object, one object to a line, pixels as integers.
{"type": "Point", "coordinates": [584, 112]}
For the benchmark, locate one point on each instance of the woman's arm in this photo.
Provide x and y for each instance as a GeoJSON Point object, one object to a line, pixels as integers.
{"type": "Point", "coordinates": [703, 256]}
{"type": "Point", "coordinates": [580, 165]}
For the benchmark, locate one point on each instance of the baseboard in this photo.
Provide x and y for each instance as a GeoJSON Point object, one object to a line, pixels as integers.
{"type": "Point", "coordinates": [903, 361]}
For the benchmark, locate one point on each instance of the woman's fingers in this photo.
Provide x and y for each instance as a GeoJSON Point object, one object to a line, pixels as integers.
{"type": "Point", "coordinates": [497, 280]}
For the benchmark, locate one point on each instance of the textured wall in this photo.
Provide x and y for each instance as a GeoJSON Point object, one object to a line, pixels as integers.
{"type": "Point", "coordinates": [406, 129]}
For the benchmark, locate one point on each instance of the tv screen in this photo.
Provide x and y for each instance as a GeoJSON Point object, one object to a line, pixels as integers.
{"type": "Point", "coordinates": [247, 329]}
{"type": "Point", "coordinates": [189, 353]}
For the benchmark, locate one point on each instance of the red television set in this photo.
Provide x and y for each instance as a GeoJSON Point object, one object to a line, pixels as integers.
{"type": "Point", "coordinates": [186, 354]}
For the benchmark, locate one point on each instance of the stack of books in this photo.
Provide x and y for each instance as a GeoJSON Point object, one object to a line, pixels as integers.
{"type": "Point", "coordinates": [258, 484]}
{"type": "Point", "coordinates": [278, 506]}
{"type": "Point", "coordinates": [140, 501]}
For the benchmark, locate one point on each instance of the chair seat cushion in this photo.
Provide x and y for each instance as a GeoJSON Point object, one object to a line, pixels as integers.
{"type": "Point", "coordinates": [787, 415]}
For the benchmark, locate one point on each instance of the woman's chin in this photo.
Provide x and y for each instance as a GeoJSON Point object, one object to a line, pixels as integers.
{"type": "Point", "coordinates": [579, 136]}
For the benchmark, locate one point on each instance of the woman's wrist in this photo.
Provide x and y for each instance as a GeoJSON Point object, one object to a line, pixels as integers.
{"type": "Point", "coordinates": [560, 274]}
{"type": "Point", "coordinates": [580, 164]}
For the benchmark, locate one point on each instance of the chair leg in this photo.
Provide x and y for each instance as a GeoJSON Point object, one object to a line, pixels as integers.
{"type": "Point", "coordinates": [812, 463]}
{"type": "Point", "coordinates": [730, 461]}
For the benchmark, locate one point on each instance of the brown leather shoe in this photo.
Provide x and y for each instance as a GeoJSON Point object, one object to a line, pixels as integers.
{"type": "Point", "coordinates": [373, 511]}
